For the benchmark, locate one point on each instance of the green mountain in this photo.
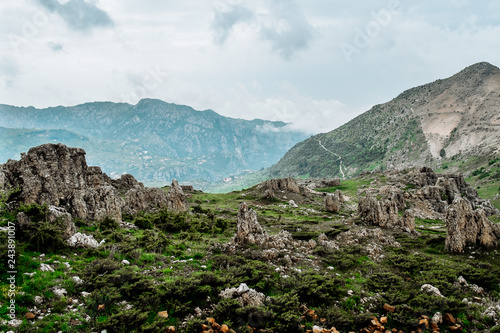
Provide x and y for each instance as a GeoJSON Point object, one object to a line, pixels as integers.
{"type": "Point", "coordinates": [153, 140]}
{"type": "Point", "coordinates": [437, 124]}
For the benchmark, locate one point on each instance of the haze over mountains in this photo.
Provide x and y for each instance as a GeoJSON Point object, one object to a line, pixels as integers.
{"type": "Point", "coordinates": [153, 140]}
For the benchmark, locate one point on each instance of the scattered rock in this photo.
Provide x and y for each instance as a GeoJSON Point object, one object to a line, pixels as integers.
{"type": "Point", "coordinates": [101, 307]}
{"type": "Point", "coordinates": [389, 308]}
{"type": "Point", "coordinates": [82, 240]}
{"type": "Point", "coordinates": [38, 300]}
{"type": "Point", "coordinates": [125, 262]}
{"type": "Point", "coordinates": [77, 280]}
{"type": "Point", "coordinates": [30, 315]}
{"type": "Point", "coordinates": [59, 292]}
{"type": "Point", "coordinates": [449, 319]}
{"type": "Point", "coordinates": [163, 314]}
{"type": "Point", "coordinates": [246, 296]}
{"type": "Point", "coordinates": [429, 289]}
{"type": "Point", "coordinates": [46, 268]}
{"type": "Point", "coordinates": [437, 318]}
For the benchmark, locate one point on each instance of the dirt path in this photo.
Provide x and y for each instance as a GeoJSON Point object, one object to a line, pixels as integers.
{"type": "Point", "coordinates": [331, 152]}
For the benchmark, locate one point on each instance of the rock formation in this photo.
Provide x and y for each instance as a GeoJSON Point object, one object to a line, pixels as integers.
{"type": "Point", "coordinates": [248, 229]}
{"type": "Point", "coordinates": [244, 295]}
{"type": "Point", "coordinates": [283, 184]}
{"type": "Point", "coordinates": [333, 202]}
{"type": "Point", "coordinates": [467, 227]}
{"type": "Point", "coordinates": [176, 199]}
{"type": "Point", "coordinates": [59, 177]}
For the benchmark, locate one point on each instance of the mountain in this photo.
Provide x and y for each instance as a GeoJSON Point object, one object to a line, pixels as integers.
{"type": "Point", "coordinates": [446, 120]}
{"type": "Point", "coordinates": [153, 140]}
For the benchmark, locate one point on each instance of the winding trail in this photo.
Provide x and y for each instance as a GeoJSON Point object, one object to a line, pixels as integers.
{"type": "Point", "coordinates": [331, 152]}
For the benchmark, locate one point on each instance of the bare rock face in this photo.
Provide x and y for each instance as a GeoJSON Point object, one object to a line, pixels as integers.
{"type": "Point", "coordinates": [59, 176]}
{"type": "Point", "coordinates": [467, 227]}
{"type": "Point", "coordinates": [407, 222]}
{"type": "Point", "coordinates": [59, 214]}
{"type": "Point", "coordinates": [145, 199]}
{"type": "Point", "coordinates": [248, 229]}
{"type": "Point", "coordinates": [176, 199]}
{"type": "Point", "coordinates": [283, 184]}
{"type": "Point", "coordinates": [333, 202]}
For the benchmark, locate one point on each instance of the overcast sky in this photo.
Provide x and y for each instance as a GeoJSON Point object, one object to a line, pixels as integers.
{"type": "Point", "coordinates": [315, 63]}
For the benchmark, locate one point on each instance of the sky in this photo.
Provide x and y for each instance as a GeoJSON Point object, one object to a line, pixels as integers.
{"type": "Point", "coordinates": [313, 63]}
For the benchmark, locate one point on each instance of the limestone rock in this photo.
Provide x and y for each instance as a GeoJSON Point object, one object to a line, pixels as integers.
{"type": "Point", "coordinates": [60, 214]}
{"type": "Point", "coordinates": [333, 202]}
{"type": "Point", "coordinates": [146, 199]}
{"type": "Point", "coordinates": [248, 229]}
{"type": "Point", "coordinates": [427, 288]}
{"type": "Point", "coordinates": [176, 199]}
{"type": "Point", "coordinates": [383, 213]}
{"type": "Point", "coordinates": [246, 296]}
{"type": "Point", "coordinates": [58, 176]}
{"type": "Point", "coordinates": [467, 226]}
{"type": "Point", "coordinates": [125, 183]}
{"type": "Point", "coordinates": [82, 240]}
{"type": "Point", "coordinates": [282, 184]}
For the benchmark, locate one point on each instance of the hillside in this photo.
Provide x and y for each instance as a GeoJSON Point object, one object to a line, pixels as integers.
{"type": "Point", "coordinates": [452, 124]}
{"type": "Point", "coordinates": [154, 140]}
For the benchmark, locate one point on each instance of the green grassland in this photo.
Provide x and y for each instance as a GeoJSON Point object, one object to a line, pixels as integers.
{"type": "Point", "coordinates": [174, 266]}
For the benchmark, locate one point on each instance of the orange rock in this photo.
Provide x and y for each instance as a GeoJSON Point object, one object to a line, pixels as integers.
{"type": "Point", "coordinates": [389, 308]}
{"type": "Point", "coordinates": [101, 307]}
{"type": "Point", "coordinates": [383, 320]}
{"type": "Point", "coordinates": [30, 315]}
{"type": "Point", "coordinates": [423, 322]}
{"type": "Point", "coordinates": [171, 329]}
{"type": "Point", "coordinates": [204, 327]}
{"type": "Point", "coordinates": [211, 320]}
{"type": "Point", "coordinates": [216, 326]}
{"type": "Point", "coordinates": [449, 319]}
{"type": "Point", "coordinates": [163, 314]}
{"type": "Point", "coordinates": [224, 328]}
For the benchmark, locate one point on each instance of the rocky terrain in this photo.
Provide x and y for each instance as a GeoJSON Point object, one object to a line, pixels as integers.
{"type": "Point", "coordinates": [451, 125]}
{"type": "Point", "coordinates": [156, 141]}
{"type": "Point", "coordinates": [399, 251]}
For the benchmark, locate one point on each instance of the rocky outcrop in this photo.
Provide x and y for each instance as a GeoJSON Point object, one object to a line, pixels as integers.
{"type": "Point", "coordinates": [176, 199]}
{"type": "Point", "coordinates": [84, 241]}
{"type": "Point", "coordinates": [248, 229]}
{"type": "Point", "coordinates": [144, 199]}
{"type": "Point", "coordinates": [385, 214]}
{"type": "Point", "coordinates": [333, 202]}
{"type": "Point", "coordinates": [466, 226]}
{"type": "Point", "coordinates": [283, 184]}
{"type": "Point", "coordinates": [59, 177]}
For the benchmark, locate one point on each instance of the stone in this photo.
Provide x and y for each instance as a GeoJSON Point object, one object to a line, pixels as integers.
{"type": "Point", "coordinates": [437, 318]}
{"type": "Point", "coordinates": [333, 202]}
{"type": "Point", "coordinates": [176, 199]}
{"type": "Point", "coordinates": [46, 268]}
{"type": "Point", "coordinates": [383, 213]}
{"type": "Point", "coordinates": [389, 308]}
{"type": "Point", "coordinates": [77, 280]}
{"type": "Point", "coordinates": [292, 204]}
{"type": "Point", "coordinates": [84, 241]}
{"type": "Point", "coordinates": [429, 289]}
{"type": "Point", "coordinates": [243, 288]}
{"type": "Point", "coordinates": [59, 292]}
{"type": "Point", "coordinates": [466, 226]}
{"type": "Point", "coordinates": [29, 315]}
{"type": "Point", "coordinates": [125, 183]}
{"type": "Point", "coordinates": [163, 314]}
{"type": "Point", "coordinates": [246, 296]}
{"type": "Point", "coordinates": [38, 300]}
{"type": "Point", "coordinates": [248, 229]}
{"type": "Point", "coordinates": [125, 262]}
{"type": "Point", "coordinates": [449, 319]}
{"type": "Point", "coordinates": [61, 215]}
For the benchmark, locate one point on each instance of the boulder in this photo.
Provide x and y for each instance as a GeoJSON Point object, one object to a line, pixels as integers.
{"type": "Point", "coordinates": [466, 226]}
{"type": "Point", "coordinates": [82, 240]}
{"type": "Point", "coordinates": [333, 202]}
{"type": "Point", "coordinates": [383, 213]}
{"type": "Point", "coordinates": [246, 296]}
{"type": "Point", "coordinates": [125, 183]}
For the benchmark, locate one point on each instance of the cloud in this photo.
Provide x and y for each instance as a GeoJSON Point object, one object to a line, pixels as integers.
{"type": "Point", "coordinates": [280, 22]}
{"type": "Point", "coordinates": [226, 15]}
{"type": "Point", "coordinates": [79, 15]}
{"type": "Point", "coordinates": [56, 47]}
{"type": "Point", "coordinates": [287, 28]}
{"type": "Point", "coordinates": [9, 70]}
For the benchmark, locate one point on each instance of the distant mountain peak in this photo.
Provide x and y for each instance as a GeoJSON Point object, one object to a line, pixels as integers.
{"type": "Point", "coordinates": [480, 68]}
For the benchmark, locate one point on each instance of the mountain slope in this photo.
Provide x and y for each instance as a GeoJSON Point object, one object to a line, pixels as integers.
{"type": "Point", "coordinates": [153, 140]}
{"type": "Point", "coordinates": [447, 119]}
